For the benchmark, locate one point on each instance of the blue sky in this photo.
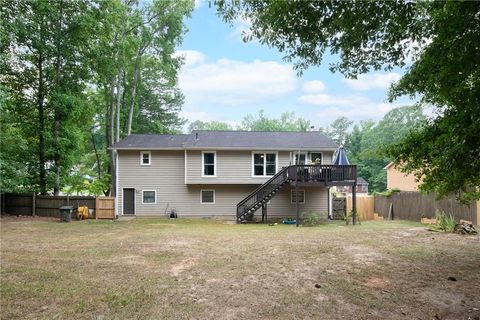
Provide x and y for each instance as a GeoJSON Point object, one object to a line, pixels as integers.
{"type": "Point", "coordinates": [225, 79]}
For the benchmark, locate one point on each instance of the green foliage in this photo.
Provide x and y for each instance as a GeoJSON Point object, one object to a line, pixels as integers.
{"type": "Point", "coordinates": [338, 130]}
{"type": "Point", "coordinates": [444, 223]}
{"type": "Point", "coordinates": [210, 126]}
{"type": "Point", "coordinates": [287, 122]}
{"type": "Point", "coordinates": [367, 142]}
{"type": "Point", "coordinates": [349, 218]}
{"type": "Point", "coordinates": [438, 38]}
{"type": "Point", "coordinates": [311, 219]}
{"type": "Point", "coordinates": [70, 66]}
{"type": "Point", "coordinates": [387, 193]}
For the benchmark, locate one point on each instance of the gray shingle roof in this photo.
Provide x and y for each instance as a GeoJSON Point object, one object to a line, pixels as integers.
{"type": "Point", "coordinates": [360, 180]}
{"type": "Point", "coordinates": [253, 140]}
{"type": "Point", "coordinates": [152, 141]}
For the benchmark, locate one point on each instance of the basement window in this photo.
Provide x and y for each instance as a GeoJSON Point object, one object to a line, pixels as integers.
{"type": "Point", "coordinates": [301, 196]}
{"type": "Point", "coordinates": [207, 196]}
{"type": "Point", "coordinates": [149, 197]}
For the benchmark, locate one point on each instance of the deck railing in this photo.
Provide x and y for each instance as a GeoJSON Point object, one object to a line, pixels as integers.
{"type": "Point", "coordinates": [322, 173]}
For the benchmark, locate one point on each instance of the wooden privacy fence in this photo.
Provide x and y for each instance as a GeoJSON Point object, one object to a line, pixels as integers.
{"type": "Point", "coordinates": [412, 205]}
{"type": "Point", "coordinates": [48, 206]}
{"type": "Point", "coordinates": [365, 207]}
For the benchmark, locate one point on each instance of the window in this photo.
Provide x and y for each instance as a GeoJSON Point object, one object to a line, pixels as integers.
{"type": "Point", "coordinates": [316, 157]}
{"type": "Point", "coordinates": [264, 164]}
{"type": "Point", "coordinates": [208, 164]}
{"type": "Point", "coordinates": [145, 158]}
{"type": "Point", "coordinates": [207, 196]}
{"type": "Point", "coordinates": [149, 196]}
{"type": "Point", "coordinates": [301, 196]}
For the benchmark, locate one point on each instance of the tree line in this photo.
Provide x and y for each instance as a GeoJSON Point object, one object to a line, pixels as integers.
{"type": "Point", "coordinates": [77, 76]}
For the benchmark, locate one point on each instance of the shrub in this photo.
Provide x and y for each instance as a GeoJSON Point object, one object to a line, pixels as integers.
{"type": "Point", "coordinates": [387, 193]}
{"type": "Point", "coordinates": [311, 219]}
{"type": "Point", "coordinates": [444, 223]}
{"type": "Point", "coordinates": [349, 218]}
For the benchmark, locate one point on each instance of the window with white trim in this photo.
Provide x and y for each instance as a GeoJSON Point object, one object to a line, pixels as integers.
{"type": "Point", "coordinates": [301, 196]}
{"type": "Point", "coordinates": [208, 164]}
{"type": "Point", "coordinates": [145, 158]}
{"type": "Point", "coordinates": [264, 164]}
{"type": "Point", "coordinates": [207, 196]}
{"type": "Point", "coordinates": [149, 197]}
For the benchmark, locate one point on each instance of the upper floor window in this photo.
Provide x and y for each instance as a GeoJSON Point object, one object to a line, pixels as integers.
{"type": "Point", "coordinates": [316, 158]}
{"type": "Point", "coordinates": [145, 158]}
{"type": "Point", "coordinates": [209, 164]}
{"type": "Point", "coordinates": [264, 164]}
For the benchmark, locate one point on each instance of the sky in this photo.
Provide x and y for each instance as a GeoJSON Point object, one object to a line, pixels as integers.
{"type": "Point", "coordinates": [224, 79]}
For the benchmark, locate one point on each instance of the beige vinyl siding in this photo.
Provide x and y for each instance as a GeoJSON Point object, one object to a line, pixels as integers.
{"type": "Point", "coordinates": [165, 175]}
{"type": "Point", "coordinates": [234, 166]}
{"type": "Point", "coordinates": [316, 200]}
{"type": "Point", "coordinates": [327, 157]}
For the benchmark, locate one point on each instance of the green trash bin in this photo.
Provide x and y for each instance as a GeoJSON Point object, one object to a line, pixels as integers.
{"type": "Point", "coordinates": [66, 213]}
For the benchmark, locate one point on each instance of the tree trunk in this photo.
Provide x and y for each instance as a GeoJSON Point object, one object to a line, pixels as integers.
{"type": "Point", "coordinates": [57, 113]}
{"type": "Point", "coordinates": [41, 124]}
{"type": "Point", "coordinates": [97, 157]}
{"type": "Point", "coordinates": [111, 141]}
{"type": "Point", "coordinates": [134, 93]}
{"type": "Point", "coordinates": [119, 97]}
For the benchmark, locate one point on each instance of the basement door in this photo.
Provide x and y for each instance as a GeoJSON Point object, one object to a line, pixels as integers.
{"type": "Point", "coordinates": [128, 201]}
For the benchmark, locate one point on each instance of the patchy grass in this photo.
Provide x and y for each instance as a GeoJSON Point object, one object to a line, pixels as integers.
{"type": "Point", "coordinates": [183, 269]}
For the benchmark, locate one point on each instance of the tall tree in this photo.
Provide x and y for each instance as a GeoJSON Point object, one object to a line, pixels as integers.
{"type": "Point", "coordinates": [45, 69]}
{"type": "Point", "coordinates": [338, 130]}
{"type": "Point", "coordinates": [137, 71]}
{"type": "Point", "coordinates": [441, 38]}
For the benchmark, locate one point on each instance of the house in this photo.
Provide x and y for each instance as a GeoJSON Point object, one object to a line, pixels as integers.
{"type": "Point", "coordinates": [227, 174]}
{"type": "Point", "coordinates": [362, 187]}
{"type": "Point", "coordinates": [399, 180]}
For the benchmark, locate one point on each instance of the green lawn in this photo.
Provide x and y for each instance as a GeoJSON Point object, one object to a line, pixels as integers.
{"type": "Point", "coordinates": [183, 269]}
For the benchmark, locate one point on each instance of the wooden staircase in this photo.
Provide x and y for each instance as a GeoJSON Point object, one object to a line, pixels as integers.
{"type": "Point", "coordinates": [260, 196]}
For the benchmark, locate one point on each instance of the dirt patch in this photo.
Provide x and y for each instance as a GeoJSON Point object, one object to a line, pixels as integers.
{"type": "Point", "coordinates": [378, 283]}
{"type": "Point", "coordinates": [363, 254]}
{"type": "Point", "coordinates": [178, 268]}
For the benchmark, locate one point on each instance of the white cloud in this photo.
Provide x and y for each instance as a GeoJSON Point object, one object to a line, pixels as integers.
{"type": "Point", "coordinates": [314, 86]}
{"type": "Point", "coordinates": [198, 3]}
{"type": "Point", "coordinates": [366, 82]}
{"type": "Point", "coordinates": [241, 26]}
{"type": "Point", "coordinates": [205, 117]}
{"type": "Point", "coordinates": [192, 57]}
{"type": "Point", "coordinates": [354, 107]}
{"type": "Point", "coordinates": [230, 83]}
{"type": "Point", "coordinates": [323, 99]}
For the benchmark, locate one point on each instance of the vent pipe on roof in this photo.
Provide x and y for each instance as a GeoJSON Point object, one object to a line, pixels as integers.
{"type": "Point", "coordinates": [196, 135]}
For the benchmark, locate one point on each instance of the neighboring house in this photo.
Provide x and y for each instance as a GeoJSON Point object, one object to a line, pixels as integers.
{"type": "Point", "coordinates": [399, 180]}
{"type": "Point", "coordinates": [226, 174]}
{"type": "Point", "coordinates": [362, 187]}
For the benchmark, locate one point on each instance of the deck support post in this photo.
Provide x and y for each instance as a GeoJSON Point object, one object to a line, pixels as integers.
{"type": "Point", "coordinates": [296, 203]}
{"type": "Point", "coordinates": [354, 203]}
{"type": "Point", "coordinates": [264, 213]}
